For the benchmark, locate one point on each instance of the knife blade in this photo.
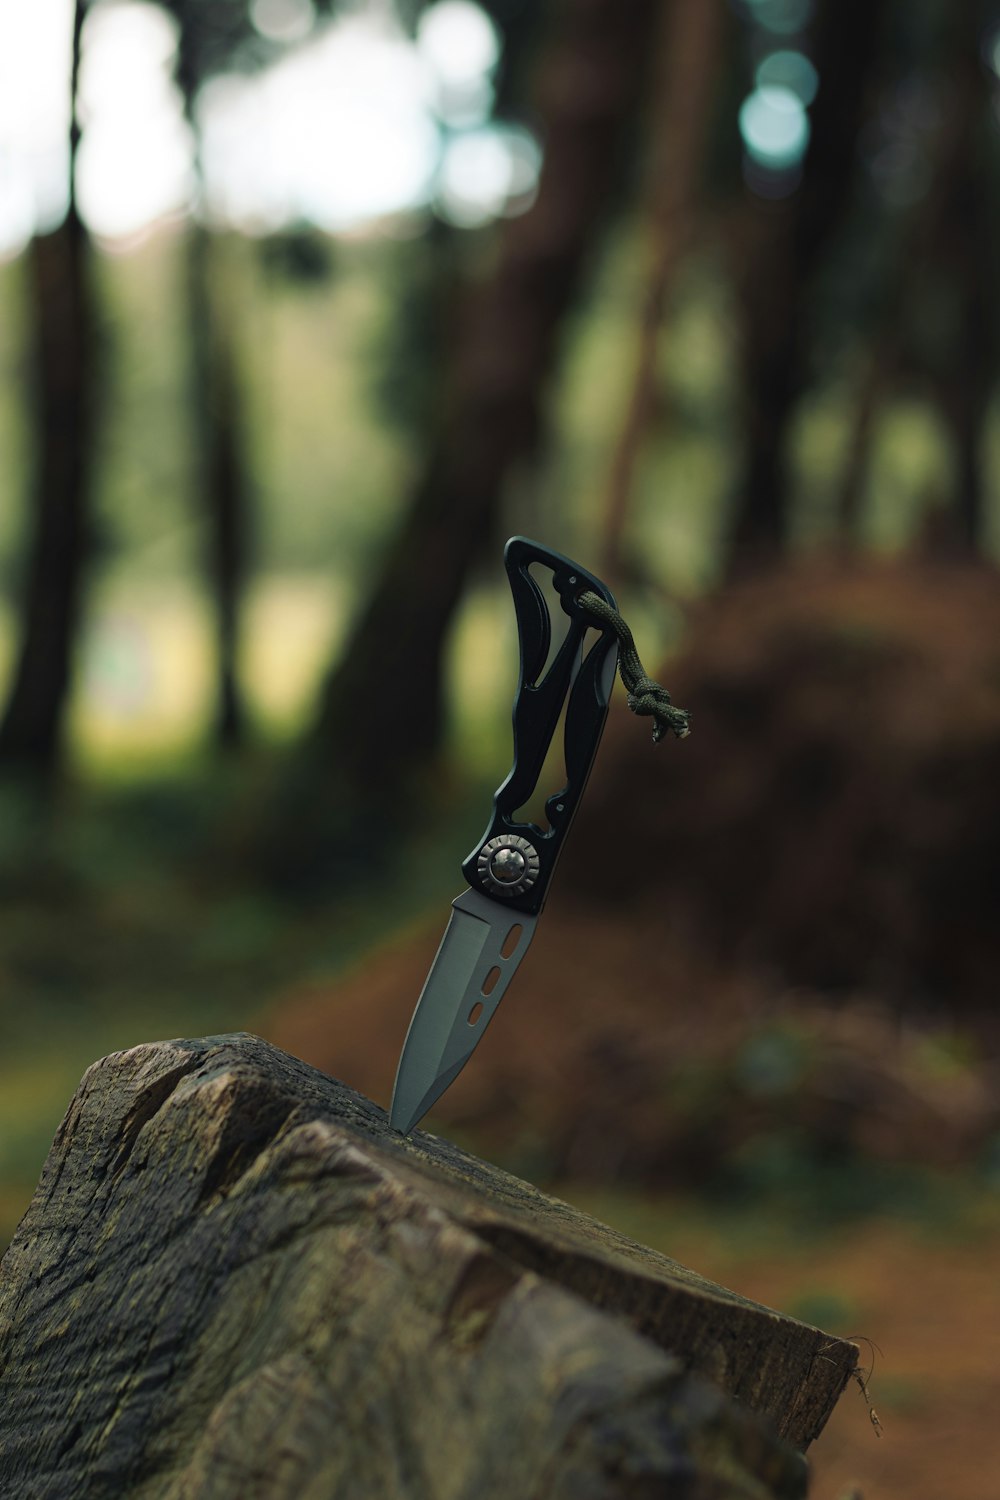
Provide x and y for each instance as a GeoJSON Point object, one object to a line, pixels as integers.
{"type": "Point", "coordinates": [493, 921]}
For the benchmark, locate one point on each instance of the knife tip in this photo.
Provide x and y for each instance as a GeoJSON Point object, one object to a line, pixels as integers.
{"type": "Point", "coordinates": [400, 1120]}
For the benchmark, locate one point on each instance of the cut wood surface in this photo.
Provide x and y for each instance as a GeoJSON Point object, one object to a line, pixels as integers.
{"type": "Point", "coordinates": [235, 1280]}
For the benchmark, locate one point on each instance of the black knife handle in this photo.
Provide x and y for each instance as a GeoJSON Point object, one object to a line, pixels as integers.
{"type": "Point", "coordinates": [537, 707]}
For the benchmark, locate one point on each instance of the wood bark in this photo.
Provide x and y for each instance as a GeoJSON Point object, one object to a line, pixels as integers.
{"type": "Point", "coordinates": [235, 1280]}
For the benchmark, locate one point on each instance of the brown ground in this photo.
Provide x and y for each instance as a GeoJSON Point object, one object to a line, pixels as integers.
{"type": "Point", "coordinates": [934, 1311]}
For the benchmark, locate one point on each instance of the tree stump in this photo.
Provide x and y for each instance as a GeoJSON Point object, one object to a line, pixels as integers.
{"type": "Point", "coordinates": [235, 1281]}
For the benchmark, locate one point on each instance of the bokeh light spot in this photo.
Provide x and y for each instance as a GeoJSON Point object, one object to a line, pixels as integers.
{"type": "Point", "coordinates": [774, 126]}
{"type": "Point", "coordinates": [34, 119]}
{"type": "Point", "coordinates": [135, 158]}
{"type": "Point", "coordinates": [283, 20]}
{"type": "Point", "coordinates": [459, 41]}
{"type": "Point", "coordinates": [269, 142]}
{"type": "Point", "coordinates": [789, 70]}
{"type": "Point", "coordinates": [488, 172]}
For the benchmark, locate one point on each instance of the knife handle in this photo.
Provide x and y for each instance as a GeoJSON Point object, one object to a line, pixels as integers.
{"type": "Point", "coordinates": [527, 853]}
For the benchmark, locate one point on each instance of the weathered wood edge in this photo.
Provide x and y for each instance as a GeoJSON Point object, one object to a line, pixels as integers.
{"type": "Point", "coordinates": [781, 1369]}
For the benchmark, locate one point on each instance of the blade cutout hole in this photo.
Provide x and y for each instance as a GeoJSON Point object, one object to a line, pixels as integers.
{"type": "Point", "coordinates": [511, 941]}
{"type": "Point", "coordinates": [490, 982]}
{"type": "Point", "coordinates": [475, 1013]}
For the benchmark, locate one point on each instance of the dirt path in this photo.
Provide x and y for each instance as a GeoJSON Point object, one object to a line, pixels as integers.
{"type": "Point", "coordinates": [934, 1312]}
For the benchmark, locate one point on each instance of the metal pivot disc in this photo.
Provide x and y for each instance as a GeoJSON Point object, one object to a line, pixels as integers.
{"type": "Point", "coordinates": [508, 865]}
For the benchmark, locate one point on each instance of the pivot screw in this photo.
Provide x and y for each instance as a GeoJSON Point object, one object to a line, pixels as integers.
{"type": "Point", "coordinates": [508, 865]}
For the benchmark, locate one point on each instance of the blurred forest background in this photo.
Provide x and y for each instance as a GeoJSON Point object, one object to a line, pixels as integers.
{"type": "Point", "coordinates": [304, 308]}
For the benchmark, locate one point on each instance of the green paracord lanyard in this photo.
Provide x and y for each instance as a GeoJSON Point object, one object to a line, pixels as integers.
{"type": "Point", "coordinates": [645, 696]}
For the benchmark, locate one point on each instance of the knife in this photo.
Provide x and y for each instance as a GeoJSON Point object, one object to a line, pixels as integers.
{"type": "Point", "coordinates": [508, 872]}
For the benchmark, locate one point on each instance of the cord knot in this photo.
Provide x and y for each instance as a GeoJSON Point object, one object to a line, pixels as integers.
{"type": "Point", "coordinates": [651, 700]}
{"type": "Point", "coordinates": [646, 697]}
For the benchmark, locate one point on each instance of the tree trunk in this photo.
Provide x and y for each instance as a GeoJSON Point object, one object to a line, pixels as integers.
{"type": "Point", "coordinates": [688, 76]}
{"type": "Point", "coordinates": [780, 249]}
{"type": "Point", "coordinates": [969, 254]}
{"type": "Point", "coordinates": [235, 1280]}
{"type": "Point", "coordinates": [382, 710]}
{"type": "Point", "coordinates": [224, 498]}
{"type": "Point", "coordinates": [64, 382]}
{"type": "Point", "coordinates": [949, 231]}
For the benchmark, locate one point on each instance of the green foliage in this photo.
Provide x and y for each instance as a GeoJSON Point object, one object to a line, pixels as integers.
{"type": "Point", "coordinates": [827, 1309]}
{"type": "Point", "coordinates": [145, 472]}
{"type": "Point", "coordinates": [413, 332]}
